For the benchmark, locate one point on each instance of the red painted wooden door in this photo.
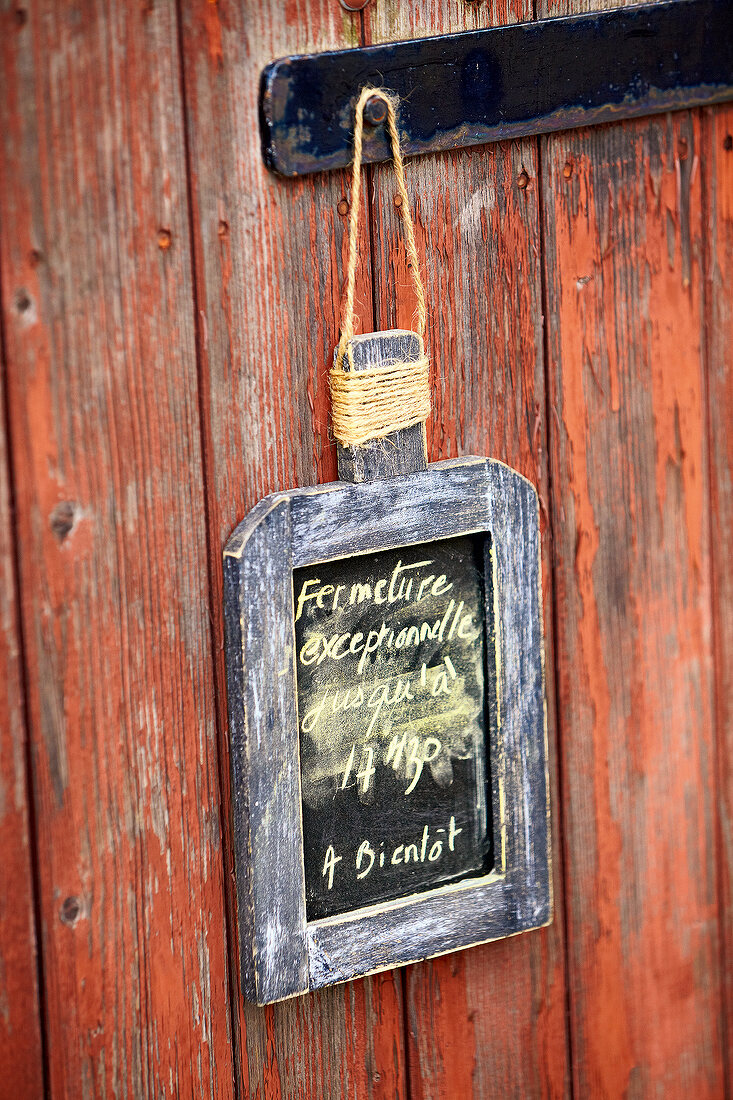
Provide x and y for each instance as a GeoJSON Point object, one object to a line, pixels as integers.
{"type": "Point", "coordinates": [169, 311]}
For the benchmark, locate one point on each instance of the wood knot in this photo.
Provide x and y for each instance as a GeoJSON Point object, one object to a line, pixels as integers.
{"type": "Point", "coordinates": [62, 519]}
{"type": "Point", "coordinates": [23, 300]}
{"type": "Point", "coordinates": [70, 910]}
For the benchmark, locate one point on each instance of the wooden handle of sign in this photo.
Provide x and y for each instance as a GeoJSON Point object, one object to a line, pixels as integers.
{"type": "Point", "coordinates": [401, 452]}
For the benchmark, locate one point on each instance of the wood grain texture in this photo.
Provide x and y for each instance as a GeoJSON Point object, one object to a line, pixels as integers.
{"type": "Point", "coordinates": [268, 260]}
{"type": "Point", "coordinates": [21, 1053]}
{"type": "Point", "coordinates": [102, 391]}
{"type": "Point", "coordinates": [115, 525]}
{"type": "Point", "coordinates": [478, 234]}
{"type": "Point", "coordinates": [717, 158]}
{"type": "Point", "coordinates": [623, 235]}
{"type": "Point", "coordinates": [263, 731]}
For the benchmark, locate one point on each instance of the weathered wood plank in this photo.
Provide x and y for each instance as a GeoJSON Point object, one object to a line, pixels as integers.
{"type": "Point", "coordinates": [21, 1053]}
{"type": "Point", "coordinates": [622, 231]}
{"type": "Point", "coordinates": [478, 235]}
{"type": "Point", "coordinates": [102, 393]}
{"type": "Point", "coordinates": [717, 161]}
{"type": "Point", "coordinates": [263, 722]}
{"type": "Point", "coordinates": [269, 259]}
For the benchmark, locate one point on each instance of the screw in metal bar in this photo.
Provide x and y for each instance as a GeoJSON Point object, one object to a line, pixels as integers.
{"type": "Point", "coordinates": [375, 111]}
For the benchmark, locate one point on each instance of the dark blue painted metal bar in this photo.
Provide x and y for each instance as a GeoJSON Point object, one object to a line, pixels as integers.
{"type": "Point", "coordinates": [481, 86]}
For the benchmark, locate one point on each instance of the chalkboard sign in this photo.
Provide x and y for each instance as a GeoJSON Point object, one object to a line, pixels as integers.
{"type": "Point", "coordinates": [386, 723]}
{"type": "Point", "coordinates": [391, 668]}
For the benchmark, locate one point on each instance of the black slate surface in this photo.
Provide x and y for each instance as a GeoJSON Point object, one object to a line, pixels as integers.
{"type": "Point", "coordinates": [391, 659]}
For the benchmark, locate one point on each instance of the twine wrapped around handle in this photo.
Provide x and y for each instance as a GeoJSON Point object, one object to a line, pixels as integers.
{"type": "Point", "coordinates": [372, 404]}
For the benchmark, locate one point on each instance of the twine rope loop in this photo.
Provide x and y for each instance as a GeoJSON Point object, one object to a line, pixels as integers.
{"type": "Point", "coordinates": [374, 403]}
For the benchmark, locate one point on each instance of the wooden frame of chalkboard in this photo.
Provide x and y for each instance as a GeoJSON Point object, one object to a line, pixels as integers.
{"type": "Point", "coordinates": [282, 953]}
